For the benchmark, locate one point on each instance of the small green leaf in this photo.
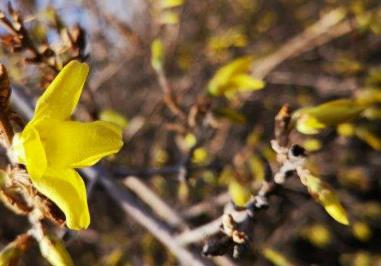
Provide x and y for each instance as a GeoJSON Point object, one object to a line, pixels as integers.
{"type": "Point", "coordinates": [311, 120]}
{"type": "Point", "coordinates": [113, 117]}
{"type": "Point", "coordinates": [171, 3]}
{"type": "Point", "coordinates": [368, 96]}
{"type": "Point", "coordinates": [369, 137]}
{"type": "Point", "coordinates": [246, 82]}
{"type": "Point", "coordinates": [312, 145]}
{"type": "Point", "coordinates": [11, 253]}
{"type": "Point", "coordinates": [239, 193]}
{"type": "Point", "coordinates": [276, 258]}
{"type": "Point", "coordinates": [200, 156]}
{"type": "Point", "coordinates": [317, 234]}
{"type": "Point", "coordinates": [157, 55]}
{"type": "Point", "coordinates": [53, 250]}
{"type": "Point", "coordinates": [169, 18]}
{"type": "Point", "coordinates": [233, 78]}
{"type": "Point", "coordinates": [309, 125]}
{"type": "Point", "coordinates": [257, 168]}
{"type": "Point", "coordinates": [346, 130]}
{"type": "Point", "coordinates": [325, 196]}
{"type": "Point", "coordinates": [230, 114]}
{"type": "Point", "coordinates": [361, 231]}
{"type": "Point", "coordinates": [190, 140]}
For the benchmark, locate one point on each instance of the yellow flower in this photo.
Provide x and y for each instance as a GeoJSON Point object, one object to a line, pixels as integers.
{"type": "Point", "coordinates": [51, 146]}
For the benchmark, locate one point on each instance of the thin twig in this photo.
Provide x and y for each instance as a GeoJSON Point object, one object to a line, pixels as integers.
{"type": "Point", "coordinates": [206, 206]}
{"type": "Point", "coordinates": [330, 26]}
{"type": "Point", "coordinates": [324, 84]}
{"type": "Point", "coordinates": [132, 208]}
{"type": "Point", "coordinates": [155, 202]}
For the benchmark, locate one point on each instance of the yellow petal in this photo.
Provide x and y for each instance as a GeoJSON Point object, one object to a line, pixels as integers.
{"type": "Point", "coordinates": [67, 190]}
{"type": "Point", "coordinates": [61, 97]}
{"type": "Point", "coordinates": [71, 144]}
{"type": "Point", "coordinates": [33, 156]}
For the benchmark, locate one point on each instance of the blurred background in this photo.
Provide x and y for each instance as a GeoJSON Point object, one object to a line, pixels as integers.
{"type": "Point", "coordinates": [306, 52]}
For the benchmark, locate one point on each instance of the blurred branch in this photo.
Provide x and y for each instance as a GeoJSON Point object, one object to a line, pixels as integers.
{"type": "Point", "coordinates": [163, 210]}
{"type": "Point", "coordinates": [325, 85]}
{"type": "Point", "coordinates": [332, 25]}
{"type": "Point", "coordinates": [169, 96]}
{"type": "Point", "coordinates": [197, 234]}
{"type": "Point", "coordinates": [133, 209]}
{"type": "Point", "coordinates": [206, 206]}
{"type": "Point", "coordinates": [21, 39]}
{"type": "Point", "coordinates": [125, 30]}
{"type": "Point", "coordinates": [155, 202]}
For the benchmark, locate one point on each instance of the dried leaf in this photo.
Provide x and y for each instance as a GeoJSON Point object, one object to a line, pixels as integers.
{"type": "Point", "coordinates": [5, 90]}
{"type": "Point", "coordinates": [14, 203]}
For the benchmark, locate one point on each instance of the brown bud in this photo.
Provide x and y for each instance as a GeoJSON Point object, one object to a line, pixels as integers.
{"type": "Point", "coordinates": [5, 91]}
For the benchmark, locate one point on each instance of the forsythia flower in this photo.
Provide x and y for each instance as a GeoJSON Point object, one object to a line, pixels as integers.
{"type": "Point", "coordinates": [51, 146]}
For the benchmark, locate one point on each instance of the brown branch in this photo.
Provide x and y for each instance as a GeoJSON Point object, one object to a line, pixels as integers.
{"type": "Point", "coordinates": [6, 130]}
{"type": "Point", "coordinates": [206, 206]}
{"type": "Point", "coordinates": [329, 27]}
{"type": "Point", "coordinates": [169, 96]}
{"type": "Point", "coordinates": [132, 208]}
{"type": "Point", "coordinates": [155, 202]}
{"type": "Point", "coordinates": [23, 41]}
{"type": "Point", "coordinates": [324, 84]}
